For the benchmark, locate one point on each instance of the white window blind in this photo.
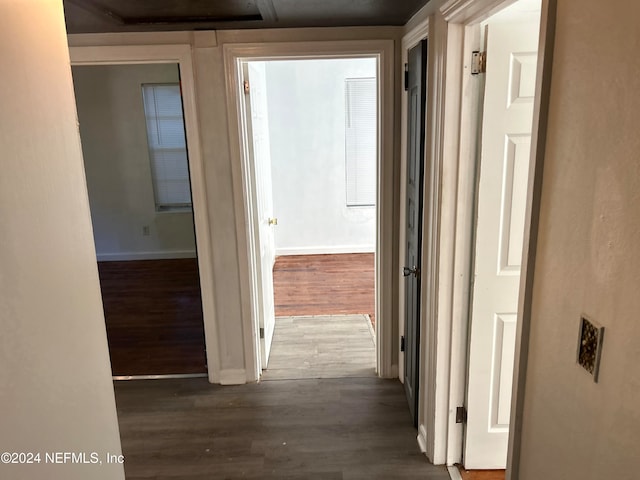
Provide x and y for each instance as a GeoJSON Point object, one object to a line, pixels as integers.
{"type": "Point", "coordinates": [361, 141]}
{"type": "Point", "coordinates": [167, 146]}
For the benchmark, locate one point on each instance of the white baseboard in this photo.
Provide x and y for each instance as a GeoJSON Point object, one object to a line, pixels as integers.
{"type": "Point", "coordinates": [319, 250]}
{"type": "Point", "coordinates": [126, 256]}
{"type": "Point", "coordinates": [233, 376]}
{"type": "Point", "coordinates": [422, 439]}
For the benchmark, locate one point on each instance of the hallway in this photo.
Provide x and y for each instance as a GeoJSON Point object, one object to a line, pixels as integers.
{"type": "Point", "coordinates": [349, 428]}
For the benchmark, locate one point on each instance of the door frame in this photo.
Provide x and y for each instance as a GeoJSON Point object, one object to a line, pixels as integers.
{"type": "Point", "coordinates": [455, 115]}
{"type": "Point", "coordinates": [176, 54]}
{"type": "Point", "coordinates": [246, 236]}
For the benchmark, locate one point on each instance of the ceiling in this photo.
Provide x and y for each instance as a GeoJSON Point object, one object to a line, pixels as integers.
{"type": "Point", "coordinates": [101, 16]}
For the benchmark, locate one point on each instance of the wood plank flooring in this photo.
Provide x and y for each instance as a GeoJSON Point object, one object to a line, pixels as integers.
{"type": "Point", "coordinates": [153, 308]}
{"type": "Point", "coordinates": [351, 428]}
{"type": "Point", "coordinates": [481, 474]}
{"type": "Point", "coordinates": [153, 313]}
{"type": "Point", "coordinates": [325, 284]}
{"type": "Point", "coordinates": [321, 347]}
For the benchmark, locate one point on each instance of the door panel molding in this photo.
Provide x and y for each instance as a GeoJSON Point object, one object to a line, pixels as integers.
{"type": "Point", "coordinates": [499, 228]}
{"type": "Point", "coordinates": [532, 215]}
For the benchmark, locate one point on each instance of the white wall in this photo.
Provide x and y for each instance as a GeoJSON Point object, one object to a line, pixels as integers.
{"type": "Point", "coordinates": [588, 257]}
{"type": "Point", "coordinates": [117, 165]}
{"type": "Point", "coordinates": [56, 392]}
{"type": "Point", "coordinates": [307, 132]}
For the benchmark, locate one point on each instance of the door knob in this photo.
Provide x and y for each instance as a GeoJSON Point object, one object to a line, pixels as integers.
{"type": "Point", "coordinates": [273, 221]}
{"type": "Point", "coordinates": [415, 271]}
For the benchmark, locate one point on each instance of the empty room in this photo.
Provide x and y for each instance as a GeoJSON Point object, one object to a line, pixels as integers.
{"type": "Point", "coordinates": [313, 152]}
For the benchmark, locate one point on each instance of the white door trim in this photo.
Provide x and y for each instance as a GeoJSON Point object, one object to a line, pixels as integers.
{"type": "Point", "coordinates": [454, 114]}
{"type": "Point", "coordinates": [469, 12]}
{"type": "Point", "coordinates": [384, 51]}
{"type": "Point", "coordinates": [180, 54]}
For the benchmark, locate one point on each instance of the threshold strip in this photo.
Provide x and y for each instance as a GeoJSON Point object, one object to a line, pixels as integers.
{"type": "Point", "coordinates": [160, 377]}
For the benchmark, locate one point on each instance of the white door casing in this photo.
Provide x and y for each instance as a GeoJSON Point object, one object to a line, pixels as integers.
{"type": "Point", "coordinates": [502, 190]}
{"type": "Point", "coordinates": [383, 50]}
{"type": "Point", "coordinates": [257, 127]}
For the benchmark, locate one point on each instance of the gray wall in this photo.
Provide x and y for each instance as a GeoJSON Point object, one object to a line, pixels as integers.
{"type": "Point", "coordinates": [588, 256]}
{"type": "Point", "coordinates": [307, 126]}
{"type": "Point", "coordinates": [56, 392]}
{"type": "Point", "coordinates": [117, 165]}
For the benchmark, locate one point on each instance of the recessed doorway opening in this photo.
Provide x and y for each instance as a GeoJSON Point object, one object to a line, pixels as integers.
{"type": "Point", "coordinates": [311, 137]}
{"type": "Point", "coordinates": [135, 153]}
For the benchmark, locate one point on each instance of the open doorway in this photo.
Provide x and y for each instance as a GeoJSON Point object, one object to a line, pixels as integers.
{"type": "Point", "coordinates": [137, 168]}
{"type": "Point", "coordinates": [311, 132]}
{"type": "Point", "coordinates": [506, 78]}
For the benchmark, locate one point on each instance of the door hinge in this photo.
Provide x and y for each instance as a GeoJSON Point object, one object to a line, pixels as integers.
{"type": "Point", "coordinates": [461, 415]}
{"type": "Point", "coordinates": [478, 62]}
{"type": "Point", "coordinates": [261, 332]}
{"type": "Point", "coordinates": [402, 343]}
{"type": "Point", "coordinates": [406, 77]}
{"type": "Point", "coordinates": [246, 86]}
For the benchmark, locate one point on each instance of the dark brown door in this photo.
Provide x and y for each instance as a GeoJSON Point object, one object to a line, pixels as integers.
{"type": "Point", "coordinates": [415, 168]}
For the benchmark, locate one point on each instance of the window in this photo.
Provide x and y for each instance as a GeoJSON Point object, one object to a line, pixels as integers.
{"type": "Point", "coordinates": [167, 146]}
{"type": "Point", "coordinates": [361, 142]}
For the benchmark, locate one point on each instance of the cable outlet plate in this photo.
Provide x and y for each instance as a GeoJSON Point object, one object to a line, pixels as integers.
{"type": "Point", "coordinates": [590, 340]}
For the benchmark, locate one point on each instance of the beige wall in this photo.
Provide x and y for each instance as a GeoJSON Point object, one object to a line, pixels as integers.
{"type": "Point", "coordinates": [588, 257]}
{"type": "Point", "coordinates": [56, 392]}
{"type": "Point", "coordinates": [118, 168]}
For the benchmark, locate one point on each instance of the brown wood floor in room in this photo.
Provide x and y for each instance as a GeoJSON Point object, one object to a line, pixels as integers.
{"type": "Point", "coordinates": [153, 313]}
{"type": "Point", "coordinates": [153, 308]}
{"type": "Point", "coordinates": [481, 474]}
{"type": "Point", "coordinates": [325, 284]}
{"type": "Point", "coordinates": [347, 428]}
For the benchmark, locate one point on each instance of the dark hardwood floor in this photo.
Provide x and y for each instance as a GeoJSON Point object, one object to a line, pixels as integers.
{"type": "Point", "coordinates": [153, 308]}
{"type": "Point", "coordinates": [153, 313]}
{"type": "Point", "coordinates": [325, 284]}
{"type": "Point", "coordinates": [349, 428]}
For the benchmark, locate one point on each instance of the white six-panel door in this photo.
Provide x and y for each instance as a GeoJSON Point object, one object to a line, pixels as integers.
{"type": "Point", "coordinates": [504, 164]}
{"type": "Point", "coordinates": [260, 152]}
